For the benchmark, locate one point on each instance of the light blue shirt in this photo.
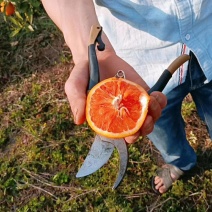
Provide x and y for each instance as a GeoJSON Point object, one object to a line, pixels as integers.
{"type": "Point", "coordinates": [150, 34]}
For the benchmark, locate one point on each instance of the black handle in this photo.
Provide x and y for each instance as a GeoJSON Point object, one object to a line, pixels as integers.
{"type": "Point", "coordinates": [95, 40]}
{"type": "Point", "coordinates": [93, 66]}
{"type": "Point", "coordinates": [162, 82]}
{"type": "Point", "coordinates": [167, 74]}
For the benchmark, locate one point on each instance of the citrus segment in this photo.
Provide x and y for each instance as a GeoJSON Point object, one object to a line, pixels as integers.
{"type": "Point", "coordinates": [116, 107]}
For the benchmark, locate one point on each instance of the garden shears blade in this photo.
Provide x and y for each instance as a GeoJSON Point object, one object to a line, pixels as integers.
{"type": "Point", "coordinates": [100, 153]}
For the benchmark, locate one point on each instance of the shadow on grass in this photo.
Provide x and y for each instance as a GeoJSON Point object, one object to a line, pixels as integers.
{"type": "Point", "coordinates": [30, 52]}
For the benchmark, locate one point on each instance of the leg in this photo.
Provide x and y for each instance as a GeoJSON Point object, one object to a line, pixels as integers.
{"type": "Point", "coordinates": [203, 100]}
{"type": "Point", "coordinates": [201, 92]}
{"type": "Point", "coordinates": [169, 134]}
{"type": "Point", "coordinates": [170, 139]}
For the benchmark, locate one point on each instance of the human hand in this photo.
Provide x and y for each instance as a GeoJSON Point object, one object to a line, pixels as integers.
{"type": "Point", "coordinates": [109, 64]}
{"type": "Point", "coordinates": [76, 90]}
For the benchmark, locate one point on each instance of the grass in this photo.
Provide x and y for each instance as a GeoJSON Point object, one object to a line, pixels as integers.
{"type": "Point", "coordinates": [41, 149]}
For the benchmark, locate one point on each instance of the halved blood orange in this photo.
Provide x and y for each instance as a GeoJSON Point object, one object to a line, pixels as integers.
{"type": "Point", "coordinates": [116, 107]}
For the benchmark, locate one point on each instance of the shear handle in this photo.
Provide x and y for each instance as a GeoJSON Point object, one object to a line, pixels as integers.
{"type": "Point", "coordinates": [167, 74]}
{"type": "Point", "coordinates": [95, 38]}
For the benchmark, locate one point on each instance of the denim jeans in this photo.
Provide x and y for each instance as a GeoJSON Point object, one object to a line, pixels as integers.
{"type": "Point", "coordinates": [169, 135]}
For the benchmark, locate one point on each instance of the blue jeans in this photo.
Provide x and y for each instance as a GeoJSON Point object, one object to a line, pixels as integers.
{"type": "Point", "coordinates": [169, 133]}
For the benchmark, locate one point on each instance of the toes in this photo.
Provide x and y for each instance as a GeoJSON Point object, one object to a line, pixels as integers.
{"type": "Point", "coordinates": [162, 189]}
{"type": "Point", "coordinates": [158, 184]}
{"type": "Point", "coordinates": [157, 179]}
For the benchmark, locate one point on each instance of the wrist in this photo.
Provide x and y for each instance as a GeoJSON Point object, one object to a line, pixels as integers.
{"type": "Point", "coordinates": [79, 47]}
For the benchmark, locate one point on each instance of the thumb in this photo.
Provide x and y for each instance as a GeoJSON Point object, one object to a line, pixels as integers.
{"type": "Point", "coordinates": [76, 91]}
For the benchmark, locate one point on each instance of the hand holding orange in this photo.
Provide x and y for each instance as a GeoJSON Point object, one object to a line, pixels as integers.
{"type": "Point", "coordinates": [76, 90]}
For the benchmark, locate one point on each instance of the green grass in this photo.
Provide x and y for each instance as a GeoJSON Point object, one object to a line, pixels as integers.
{"type": "Point", "coordinates": [41, 149]}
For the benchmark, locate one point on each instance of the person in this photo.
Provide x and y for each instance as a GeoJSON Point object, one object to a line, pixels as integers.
{"type": "Point", "coordinates": [143, 38]}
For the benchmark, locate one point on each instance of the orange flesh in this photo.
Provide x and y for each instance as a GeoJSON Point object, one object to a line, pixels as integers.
{"type": "Point", "coordinates": [115, 108]}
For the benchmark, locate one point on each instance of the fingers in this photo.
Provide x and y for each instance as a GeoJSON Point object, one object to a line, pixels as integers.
{"type": "Point", "coordinates": [131, 139]}
{"type": "Point", "coordinates": [160, 98]}
{"type": "Point", "coordinates": [157, 102]}
{"type": "Point", "coordinates": [75, 88]}
{"type": "Point", "coordinates": [146, 128]}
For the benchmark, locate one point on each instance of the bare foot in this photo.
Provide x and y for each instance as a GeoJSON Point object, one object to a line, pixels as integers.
{"type": "Point", "coordinates": [165, 177]}
{"type": "Point", "coordinates": [159, 184]}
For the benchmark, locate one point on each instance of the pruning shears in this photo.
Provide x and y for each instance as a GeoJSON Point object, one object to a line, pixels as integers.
{"type": "Point", "coordinates": [103, 147]}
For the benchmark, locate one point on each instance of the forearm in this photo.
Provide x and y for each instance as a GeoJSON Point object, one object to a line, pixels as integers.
{"type": "Point", "coordinates": [74, 18]}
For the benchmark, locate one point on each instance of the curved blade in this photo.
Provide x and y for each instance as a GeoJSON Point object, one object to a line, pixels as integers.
{"type": "Point", "coordinates": [98, 155]}
{"type": "Point", "coordinates": [121, 146]}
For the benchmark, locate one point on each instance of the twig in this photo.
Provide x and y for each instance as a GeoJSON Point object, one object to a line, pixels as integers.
{"type": "Point", "coordinates": [135, 195]}
{"type": "Point", "coordinates": [160, 204]}
{"type": "Point", "coordinates": [87, 192]}
{"type": "Point", "coordinates": [41, 189]}
{"type": "Point", "coordinates": [36, 177]}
